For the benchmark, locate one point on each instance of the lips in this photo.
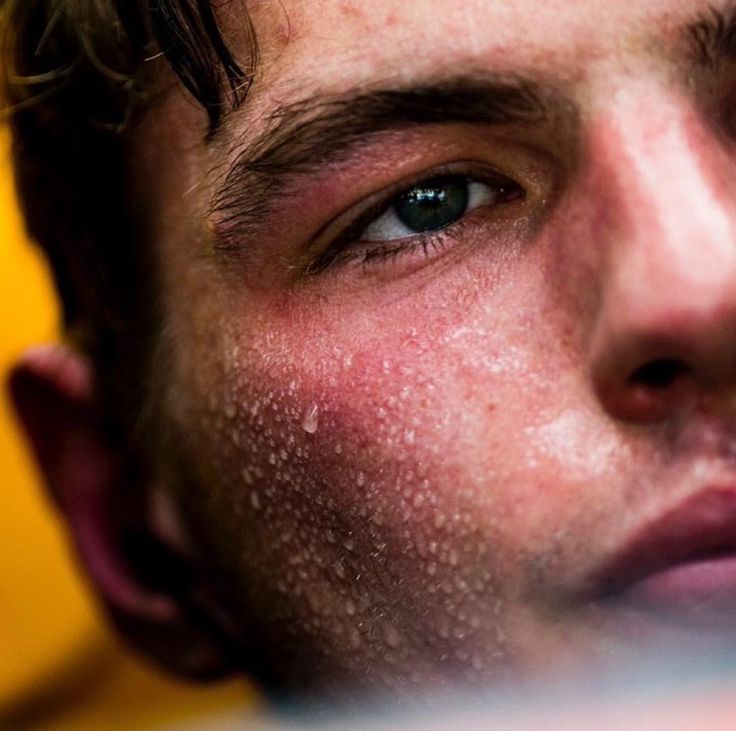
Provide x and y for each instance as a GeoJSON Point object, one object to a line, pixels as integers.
{"type": "Point", "coordinates": [683, 561]}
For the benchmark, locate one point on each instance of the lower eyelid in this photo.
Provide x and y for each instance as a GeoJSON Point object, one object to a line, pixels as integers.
{"type": "Point", "coordinates": [425, 243]}
{"type": "Point", "coordinates": [421, 244]}
{"type": "Point", "coordinates": [370, 255]}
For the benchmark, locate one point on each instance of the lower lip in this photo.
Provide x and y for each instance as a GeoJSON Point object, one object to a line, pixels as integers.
{"type": "Point", "coordinates": [692, 591]}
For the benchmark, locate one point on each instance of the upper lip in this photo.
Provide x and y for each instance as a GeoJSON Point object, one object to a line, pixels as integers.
{"type": "Point", "coordinates": [700, 527]}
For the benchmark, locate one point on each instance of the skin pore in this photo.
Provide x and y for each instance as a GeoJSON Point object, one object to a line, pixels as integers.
{"type": "Point", "coordinates": [407, 462]}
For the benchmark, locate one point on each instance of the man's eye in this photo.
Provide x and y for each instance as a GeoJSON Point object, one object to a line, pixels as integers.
{"type": "Point", "coordinates": [431, 205]}
{"type": "Point", "coordinates": [422, 218]}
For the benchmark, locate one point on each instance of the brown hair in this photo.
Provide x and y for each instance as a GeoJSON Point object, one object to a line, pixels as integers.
{"type": "Point", "coordinates": [76, 74]}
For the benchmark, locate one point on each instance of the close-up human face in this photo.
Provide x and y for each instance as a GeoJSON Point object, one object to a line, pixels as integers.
{"type": "Point", "coordinates": [446, 364]}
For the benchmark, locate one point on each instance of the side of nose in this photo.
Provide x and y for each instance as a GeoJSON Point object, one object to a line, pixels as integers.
{"type": "Point", "coordinates": [665, 334]}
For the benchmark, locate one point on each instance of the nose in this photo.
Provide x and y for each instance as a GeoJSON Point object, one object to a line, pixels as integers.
{"type": "Point", "coordinates": [665, 335]}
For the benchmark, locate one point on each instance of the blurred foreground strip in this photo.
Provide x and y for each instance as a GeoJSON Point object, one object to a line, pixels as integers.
{"type": "Point", "coordinates": [697, 696]}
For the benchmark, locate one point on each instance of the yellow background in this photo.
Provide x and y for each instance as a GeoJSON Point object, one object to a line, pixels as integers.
{"type": "Point", "coordinates": [59, 666]}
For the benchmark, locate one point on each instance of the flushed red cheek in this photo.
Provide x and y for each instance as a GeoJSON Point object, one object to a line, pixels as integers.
{"type": "Point", "coordinates": [381, 478]}
{"type": "Point", "coordinates": [376, 462]}
{"type": "Point", "coordinates": [411, 431]}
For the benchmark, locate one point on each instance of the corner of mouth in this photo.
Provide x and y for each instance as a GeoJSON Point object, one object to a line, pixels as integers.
{"type": "Point", "coordinates": [700, 528]}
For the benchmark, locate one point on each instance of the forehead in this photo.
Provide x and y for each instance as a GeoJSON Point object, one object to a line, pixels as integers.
{"type": "Point", "coordinates": [391, 39]}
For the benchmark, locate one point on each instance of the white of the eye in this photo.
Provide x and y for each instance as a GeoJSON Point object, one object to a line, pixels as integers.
{"type": "Point", "coordinates": [388, 226]}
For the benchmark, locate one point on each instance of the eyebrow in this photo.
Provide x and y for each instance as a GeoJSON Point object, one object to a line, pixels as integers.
{"type": "Point", "coordinates": [309, 134]}
{"type": "Point", "coordinates": [712, 36]}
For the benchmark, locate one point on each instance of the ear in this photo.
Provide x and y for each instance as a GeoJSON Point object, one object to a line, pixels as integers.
{"type": "Point", "coordinates": [147, 586]}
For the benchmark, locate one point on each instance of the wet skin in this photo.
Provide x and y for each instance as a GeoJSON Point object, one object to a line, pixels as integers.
{"type": "Point", "coordinates": [411, 464]}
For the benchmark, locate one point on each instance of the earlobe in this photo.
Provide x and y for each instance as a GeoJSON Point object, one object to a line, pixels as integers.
{"type": "Point", "coordinates": [87, 477]}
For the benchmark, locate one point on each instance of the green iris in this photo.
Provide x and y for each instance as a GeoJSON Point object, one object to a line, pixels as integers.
{"type": "Point", "coordinates": [433, 204]}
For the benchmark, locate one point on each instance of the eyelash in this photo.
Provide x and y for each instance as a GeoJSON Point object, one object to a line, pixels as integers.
{"type": "Point", "coordinates": [385, 251]}
{"type": "Point", "coordinates": [346, 248]}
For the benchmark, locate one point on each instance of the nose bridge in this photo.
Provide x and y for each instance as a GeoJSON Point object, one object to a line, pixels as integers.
{"type": "Point", "coordinates": [669, 286]}
{"type": "Point", "coordinates": [673, 198]}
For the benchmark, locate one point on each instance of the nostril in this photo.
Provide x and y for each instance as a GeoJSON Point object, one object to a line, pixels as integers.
{"type": "Point", "coordinates": [661, 373]}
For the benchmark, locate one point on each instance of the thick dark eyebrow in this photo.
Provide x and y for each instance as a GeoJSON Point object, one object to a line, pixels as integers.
{"type": "Point", "coordinates": [306, 135]}
{"type": "Point", "coordinates": [712, 36]}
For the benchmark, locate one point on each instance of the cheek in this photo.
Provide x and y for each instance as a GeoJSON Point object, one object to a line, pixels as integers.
{"type": "Point", "coordinates": [359, 459]}
{"type": "Point", "coordinates": [403, 432]}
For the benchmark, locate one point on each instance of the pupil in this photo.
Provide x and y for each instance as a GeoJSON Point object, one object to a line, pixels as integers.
{"type": "Point", "coordinates": [433, 205]}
